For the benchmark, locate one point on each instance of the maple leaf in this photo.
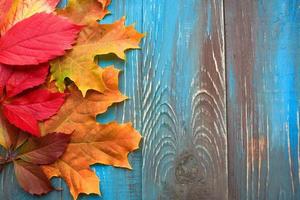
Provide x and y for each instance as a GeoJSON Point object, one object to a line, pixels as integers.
{"type": "Point", "coordinates": [24, 44]}
{"type": "Point", "coordinates": [17, 10]}
{"type": "Point", "coordinates": [91, 142]}
{"type": "Point", "coordinates": [105, 144]}
{"type": "Point", "coordinates": [27, 153]}
{"type": "Point", "coordinates": [94, 39]}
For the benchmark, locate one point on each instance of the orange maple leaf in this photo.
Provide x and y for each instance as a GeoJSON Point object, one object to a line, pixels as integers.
{"type": "Point", "coordinates": [95, 143]}
{"type": "Point", "coordinates": [91, 142]}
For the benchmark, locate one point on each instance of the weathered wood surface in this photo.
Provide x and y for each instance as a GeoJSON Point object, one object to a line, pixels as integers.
{"type": "Point", "coordinates": [183, 101]}
{"type": "Point", "coordinates": [263, 50]}
{"type": "Point", "coordinates": [214, 92]}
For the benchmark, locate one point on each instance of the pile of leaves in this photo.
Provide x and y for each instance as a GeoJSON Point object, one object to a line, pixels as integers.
{"type": "Point", "coordinates": [51, 91]}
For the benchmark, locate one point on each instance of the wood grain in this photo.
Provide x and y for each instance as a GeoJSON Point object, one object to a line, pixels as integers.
{"type": "Point", "coordinates": [183, 101]}
{"type": "Point", "coordinates": [262, 59]}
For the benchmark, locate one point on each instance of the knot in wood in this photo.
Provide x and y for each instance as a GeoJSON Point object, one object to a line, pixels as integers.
{"type": "Point", "coordinates": [187, 169]}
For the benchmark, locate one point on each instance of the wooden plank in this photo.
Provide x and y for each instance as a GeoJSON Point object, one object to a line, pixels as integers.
{"type": "Point", "coordinates": [262, 59]}
{"type": "Point", "coordinates": [183, 101]}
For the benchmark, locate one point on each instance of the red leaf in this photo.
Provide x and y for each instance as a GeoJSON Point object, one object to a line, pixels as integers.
{"type": "Point", "coordinates": [21, 119]}
{"type": "Point", "coordinates": [25, 111]}
{"type": "Point", "coordinates": [44, 150]}
{"type": "Point", "coordinates": [40, 103]}
{"type": "Point", "coordinates": [21, 80]}
{"type": "Point", "coordinates": [31, 178]}
{"type": "Point", "coordinates": [37, 39]}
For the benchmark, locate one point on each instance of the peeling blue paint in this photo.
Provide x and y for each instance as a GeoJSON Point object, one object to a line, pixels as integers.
{"type": "Point", "coordinates": [281, 96]}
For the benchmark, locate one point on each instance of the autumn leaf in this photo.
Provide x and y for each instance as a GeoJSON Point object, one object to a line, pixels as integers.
{"type": "Point", "coordinates": [24, 44]}
{"type": "Point", "coordinates": [94, 39]}
{"type": "Point", "coordinates": [24, 107]}
{"type": "Point", "coordinates": [32, 178]}
{"type": "Point", "coordinates": [27, 153]}
{"type": "Point", "coordinates": [77, 174]}
{"type": "Point", "coordinates": [25, 111]}
{"type": "Point", "coordinates": [17, 10]}
{"type": "Point", "coordinates": [90, 142]}
{"type": "Point", "coordinates": [31, 154]}
{"type": "Point", "coordinates": [105, 144]}
{"type": "Point", "coordinates": [16, 81]}
{"type": "Point", "coordinates": [44, 150]}
{"type": "Point", "coordinates": [95, 143]}
{"type": "Point", "coordinates": [20, 80]}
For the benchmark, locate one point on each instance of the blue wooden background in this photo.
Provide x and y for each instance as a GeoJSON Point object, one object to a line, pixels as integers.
{"type": "Point", "coordinates": [215, 92]}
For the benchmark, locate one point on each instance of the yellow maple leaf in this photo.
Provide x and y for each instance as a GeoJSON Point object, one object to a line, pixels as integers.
{"type": "Point", "coordinates": [94, 39]}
